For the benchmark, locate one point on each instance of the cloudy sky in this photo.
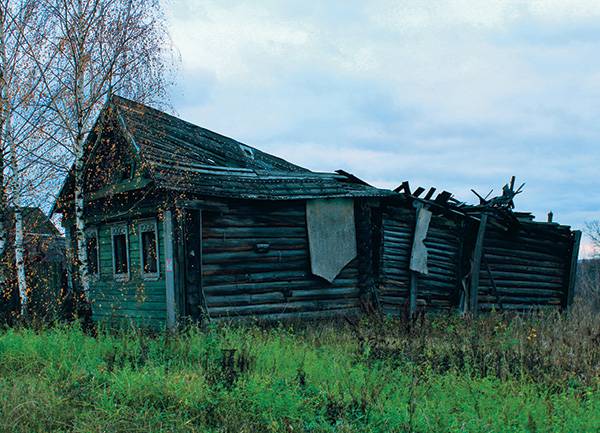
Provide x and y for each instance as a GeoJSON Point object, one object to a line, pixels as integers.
{"type": "Point", "coordinates": [452, 94]}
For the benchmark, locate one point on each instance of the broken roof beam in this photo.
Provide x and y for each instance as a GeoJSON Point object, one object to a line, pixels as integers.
{"type": "Point", "coordinates": [403, 188]}
{"type": "Point", "coordinates": [430, 193]}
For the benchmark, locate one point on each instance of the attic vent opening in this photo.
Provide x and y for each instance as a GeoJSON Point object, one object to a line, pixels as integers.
{"type": "Point", "coordinates": [249, 152]}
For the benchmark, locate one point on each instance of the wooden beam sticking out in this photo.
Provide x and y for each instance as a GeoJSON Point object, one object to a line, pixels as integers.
{"type": "Point", "coordinates": [351, 177]}
{"type": "Point", "coordinates": [573, 267]}
{"type": "Point", "coordinates": [476, 265]}
{"type": "Point", "coordinates": [430, 193]}
{"type": "Point", "coordinates": [169, 270]}
{"type": "Point", "coordinates": [404, 187]}
{"type": "Point", "coordinates": [418, 191]}
{"type": "Point", "coordinates": [443, 197]}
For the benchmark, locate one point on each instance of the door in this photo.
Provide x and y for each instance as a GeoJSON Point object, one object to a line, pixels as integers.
{"type": "Point", "coordinates": [192, 245]}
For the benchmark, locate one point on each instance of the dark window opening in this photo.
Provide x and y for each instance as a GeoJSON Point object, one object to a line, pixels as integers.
{"type": "Point", "coordinates": [149, 252]}
{"type": "Point", "coordinates": [120, 254]}
{"type": "Point", "coordinates": [127, 171]}
{"type": "Point", "coordinates": [92, 253]}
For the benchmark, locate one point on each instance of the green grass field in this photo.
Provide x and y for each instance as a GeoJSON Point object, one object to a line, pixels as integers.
{"type": "Point", "coordinates": [535, 374]}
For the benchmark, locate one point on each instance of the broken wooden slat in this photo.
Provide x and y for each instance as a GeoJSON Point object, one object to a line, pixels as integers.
{"type": "Point", "coordinates": [418, 191]}
{"type": "Point", "coordinates": [476, 264]}
{"type": "Point", "coordinates": [429, 193]}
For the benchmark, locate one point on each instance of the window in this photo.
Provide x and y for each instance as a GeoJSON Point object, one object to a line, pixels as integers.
{"type": "Point", "coordinates": [120, 252]}
{"type": "Point", "coordinates": [127, 171]}
{"type": "Point", "coordinates": [149, 249]}
{"type": "Point", "coordinates": [91, 242]}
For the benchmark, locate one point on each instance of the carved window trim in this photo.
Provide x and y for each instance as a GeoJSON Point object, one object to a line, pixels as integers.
{"type": "Point", "coordinates": [117, 230]}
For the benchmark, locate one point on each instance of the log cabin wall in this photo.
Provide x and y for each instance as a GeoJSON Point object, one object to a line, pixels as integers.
{"type": "Point", "coordinates": [396, 242]}
{"type": "Point", "coordinates": [529, 266]}
{"type": "Point", "coordinates": [256, 264]}
{"type": "Point", "coordinates": [439, 288]}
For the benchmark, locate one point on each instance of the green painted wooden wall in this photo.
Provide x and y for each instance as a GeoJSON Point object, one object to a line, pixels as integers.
{"type": "Point", "coordinates": [137, 300]}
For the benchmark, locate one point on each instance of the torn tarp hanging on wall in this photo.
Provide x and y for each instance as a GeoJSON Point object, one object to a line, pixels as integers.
{"type": "Point", "coordinates": [418, 257]}
{"type": "Point", "coordinates": [331, 235]}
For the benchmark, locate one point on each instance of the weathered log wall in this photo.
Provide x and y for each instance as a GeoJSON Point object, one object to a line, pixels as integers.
{"type": "Point", "coordinates": [525, 267]}
{"type": "Point", "coordinates": [394, 279]}
{"type": "Point", "coordinates": [530, 265]}
{"type": "Point", "coordinates": [436, 290]}
{"type": "Point", "coordinates": [256, 263]}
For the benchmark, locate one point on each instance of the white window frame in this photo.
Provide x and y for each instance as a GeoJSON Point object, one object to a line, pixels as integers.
{"type": "Point", "coordinates": [120, 229]}
{"type": "Point", "coordinates": [148, 225]}
{"type": "Point", "coordinates": [93, 232]}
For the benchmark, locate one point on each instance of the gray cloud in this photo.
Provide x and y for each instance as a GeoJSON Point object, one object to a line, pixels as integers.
{"type": "Point", "coordinates": [442, 93]}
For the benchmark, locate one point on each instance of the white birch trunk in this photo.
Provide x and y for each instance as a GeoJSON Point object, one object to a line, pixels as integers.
{"type": "Point", "coordinates": [82, 256]}
{"type": "Point", "coordinates": [3, 228]}
{"type": "Point", "coordinates": [20, 260]}
{"type": "Point", "coordinates": [3, 233]}
{"type": "Point", "coordinates": [3, 113]}
{"type": "Point", "coordinates": [79, 78]}
{"type": "Point", "coordinates": [16, 199]}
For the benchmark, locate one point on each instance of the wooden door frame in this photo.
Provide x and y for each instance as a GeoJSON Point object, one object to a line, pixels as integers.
{"type": "Point", "coordinates": [185, 308]}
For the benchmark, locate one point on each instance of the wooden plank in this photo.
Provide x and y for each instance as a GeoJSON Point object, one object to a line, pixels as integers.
{"type": "Point", "coordinates": [169, 269]}
{"type": "Point", "coordinates": [476, 265]}
{"type": "Point", "coordinates": [418, 191]}
{"type": "Point", "coordinates": [573, 268]}
{"type": "Point", "coordinates": [430, 193]}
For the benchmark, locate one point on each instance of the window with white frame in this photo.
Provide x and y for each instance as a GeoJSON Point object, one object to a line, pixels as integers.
{"type": "Point", "coordinates": [120, 251]}
{"type": "Point", "coordinates": [93, 253]}
{"type": "Point", "coordinates": [148, 234]}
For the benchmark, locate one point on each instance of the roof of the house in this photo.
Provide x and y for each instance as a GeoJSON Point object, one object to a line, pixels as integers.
{"type": "Point", "coordinates": [184, 157]}
{"type": "Point", "coordinates": [35, 221]}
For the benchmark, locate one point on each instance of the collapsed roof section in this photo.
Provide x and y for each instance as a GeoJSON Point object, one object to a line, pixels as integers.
{"type": "Point", "coordinates": [501, 206]}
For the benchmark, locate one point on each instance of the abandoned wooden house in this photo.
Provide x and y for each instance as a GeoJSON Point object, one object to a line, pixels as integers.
{"type": "Point", "coordinates": [184, 222]}
{"type": "Point", "coordinates": [439, 254]}
{"type": "Point", "coordinates": [44, 265]}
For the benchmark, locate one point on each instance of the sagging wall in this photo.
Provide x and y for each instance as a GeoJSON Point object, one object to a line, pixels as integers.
{"type": "Point", "coordinates": [530, 266]}
{"type": "Point", "coordinates": [256, 263]}
{"type": "Point", "coordinates": [525, 267]}
{"type": "Point", "coordinates": [438, 289]}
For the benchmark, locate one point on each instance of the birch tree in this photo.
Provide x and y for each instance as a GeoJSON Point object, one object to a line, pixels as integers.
{"type": "Point", "coordinates": [21, 116]}
{"type": "Point", "coordinates": [102, 47]}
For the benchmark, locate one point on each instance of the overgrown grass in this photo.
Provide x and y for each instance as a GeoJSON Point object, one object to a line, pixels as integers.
{"type": "Point", "coordinates": [536, 373]}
